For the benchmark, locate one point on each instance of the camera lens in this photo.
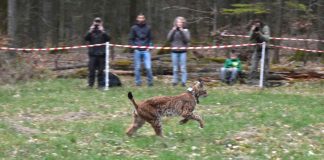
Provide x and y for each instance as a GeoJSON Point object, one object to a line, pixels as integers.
{"type": "Point", "coordinates": [256, 29]}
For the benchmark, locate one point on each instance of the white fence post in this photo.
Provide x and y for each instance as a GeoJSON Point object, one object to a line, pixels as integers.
{"type": "Point", "coordinates": [107, 67]}
{"type": "Point", "coordinates": [262, 65]}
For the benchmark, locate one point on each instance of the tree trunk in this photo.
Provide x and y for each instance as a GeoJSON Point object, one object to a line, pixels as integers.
{"type": "Point", "coordinates": [3, 15]}
{"type": "Point", "coordinates": [277, 29]}
{"type": "Point", "coordinates": [62, 21]}
{"type": "Point", "coordinates": [48, 20]}
{"type": "Point", "coordinates": [12, 22]}
{"type": "Point", "coordinates": [132, 11]}
{"type": "Point", "coordinates": [320, 21]}
{"type": "Point", "coordinates": [35, 21]}
{"type": "Point", "coordinates": [55, 23]}
{"type": "Point", "coordinates": [215, 12]}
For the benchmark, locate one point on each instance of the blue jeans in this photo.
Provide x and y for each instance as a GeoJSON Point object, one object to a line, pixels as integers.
{"type": "Point", "coordinates": [146, 56]}
{"type": "Point", "coordinates": [179, 59]}
{"type": "Point", "coordinates": [228, 72]}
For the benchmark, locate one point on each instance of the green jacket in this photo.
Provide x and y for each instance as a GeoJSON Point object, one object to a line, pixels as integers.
{"type": "Point", "coordinates": [233, 63]}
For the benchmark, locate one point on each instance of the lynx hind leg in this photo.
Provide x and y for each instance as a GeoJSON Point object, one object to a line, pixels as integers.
{"type": "Point", "coordinates": [157, 126]}
{"type": "Point", "coordinates": [138, 122]}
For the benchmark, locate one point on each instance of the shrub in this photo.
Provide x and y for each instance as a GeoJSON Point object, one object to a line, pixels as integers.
{"type": "Point", "coordinates": [15, 69]}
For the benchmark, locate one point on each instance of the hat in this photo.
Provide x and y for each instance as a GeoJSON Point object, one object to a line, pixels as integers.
{"type": "Point", "coordinates": [97, 19]}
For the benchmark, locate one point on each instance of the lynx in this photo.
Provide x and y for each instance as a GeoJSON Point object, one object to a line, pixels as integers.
{"type": "Point", "coordinates": [153, 109]}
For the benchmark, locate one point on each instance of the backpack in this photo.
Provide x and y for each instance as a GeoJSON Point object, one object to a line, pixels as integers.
{"type": "Point", "coordinates": [114, 80]}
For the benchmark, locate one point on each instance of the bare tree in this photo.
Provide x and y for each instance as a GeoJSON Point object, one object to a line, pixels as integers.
{"type": "Point", "coordinates": [277, 28]}
{"type": "Point", "coordinates": [61, 20]}
{"type": "Point", "coordinates": [12, 22]}
{"type": "Point", "coordinates": [35, 21]}
{"type": "Point", "coordinates": [48, 18]}
{"type": "Point", "coordinates": [132, 11]}
{"type": "Point", "coordinates": [320, 20]}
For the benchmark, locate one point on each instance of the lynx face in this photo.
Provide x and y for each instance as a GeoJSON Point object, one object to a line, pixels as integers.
{"type": "Point", "coordinates": [199, 89]}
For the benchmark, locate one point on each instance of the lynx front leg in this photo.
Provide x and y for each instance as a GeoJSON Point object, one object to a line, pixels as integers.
{"type": "Point", "coordinates": [198, 118]}
{"type": "Point", "coordinates": [183, 121]}
{"type": "Point", "coordinates": [193, 117]}
{"type": "Point", "coordinates": [137, 123]}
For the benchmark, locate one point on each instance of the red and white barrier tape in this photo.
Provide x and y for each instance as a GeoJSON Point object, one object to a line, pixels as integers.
{"type": "Point", "coordinates": [50, 49]}
{"type": "Point", "coordinates": [188, 48]}
{"type": "Point", "coordinates": [232, 35]}
{"type": "Point", "coordinates": [276, 38]}
{"type": "Point", "coordinates": [297, 49]}
{"type": "Point", "coordinates": [126, 46]}
{"type": "Point", "coordinates": [155, 47]}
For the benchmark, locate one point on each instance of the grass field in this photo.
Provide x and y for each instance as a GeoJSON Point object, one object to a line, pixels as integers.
{"type": "Point", "coordinates": [61, 119]}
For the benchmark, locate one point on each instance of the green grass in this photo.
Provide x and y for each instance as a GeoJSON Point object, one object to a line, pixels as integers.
{"type": "Point", "coordinates": [61, 119]}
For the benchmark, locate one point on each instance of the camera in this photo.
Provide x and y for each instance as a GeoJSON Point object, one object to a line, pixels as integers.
{"type": "Point", "coordinates": [256, 29]}
{"type": "Point", "coordinates": [96, 27]}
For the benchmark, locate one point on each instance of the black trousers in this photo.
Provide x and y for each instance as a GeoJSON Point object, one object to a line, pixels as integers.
{"type": "Point", "coordinates": [96, 63]}
{"type": "Point", "coordinates": [256, 58]}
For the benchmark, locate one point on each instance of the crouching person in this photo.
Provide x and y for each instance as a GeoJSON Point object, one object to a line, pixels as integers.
{"type": "Point", "coordinates": [232, 67]}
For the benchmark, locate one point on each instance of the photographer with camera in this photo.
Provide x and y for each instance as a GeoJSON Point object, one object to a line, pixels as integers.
{"type": "Point", "coordinates": [179, 36]}
{"type": "Point", "coordinates": [259, 33]}
{"type": "Point", "coordinates": [140, 35]}
{"type": "Point", "coordinates": [96, 35]}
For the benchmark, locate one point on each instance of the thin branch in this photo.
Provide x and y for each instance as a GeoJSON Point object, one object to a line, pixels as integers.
{"type": "Point", "coordinates": [194, 20]}
{"type": "Point", "coordinates": [186, 8]}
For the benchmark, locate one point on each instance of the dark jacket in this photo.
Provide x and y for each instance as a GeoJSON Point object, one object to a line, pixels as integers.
{"type": "Point", "coordinates": [140, 35]}
{"type": "Point", "coordinates": [97, 37]}
{"type": "Point", "coordinates": [179, 39]}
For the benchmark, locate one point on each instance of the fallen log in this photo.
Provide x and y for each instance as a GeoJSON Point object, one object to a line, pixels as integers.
{"type": "Point", "coordinates": [122, 72]}
{"type": "Point", "coordinates": [297, 75]}
{"type": "Point", "coordinates": [69, 67]}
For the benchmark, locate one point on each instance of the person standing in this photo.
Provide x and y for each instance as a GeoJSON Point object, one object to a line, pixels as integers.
{"type": "Point", "coordinates": [259, 33]}
{"type": "Point", "coordinates": [140, 35]}
{"type": "Point", "coordinates": [179, 36]}
{"type": "Point", "coordinates": [96, 35]}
